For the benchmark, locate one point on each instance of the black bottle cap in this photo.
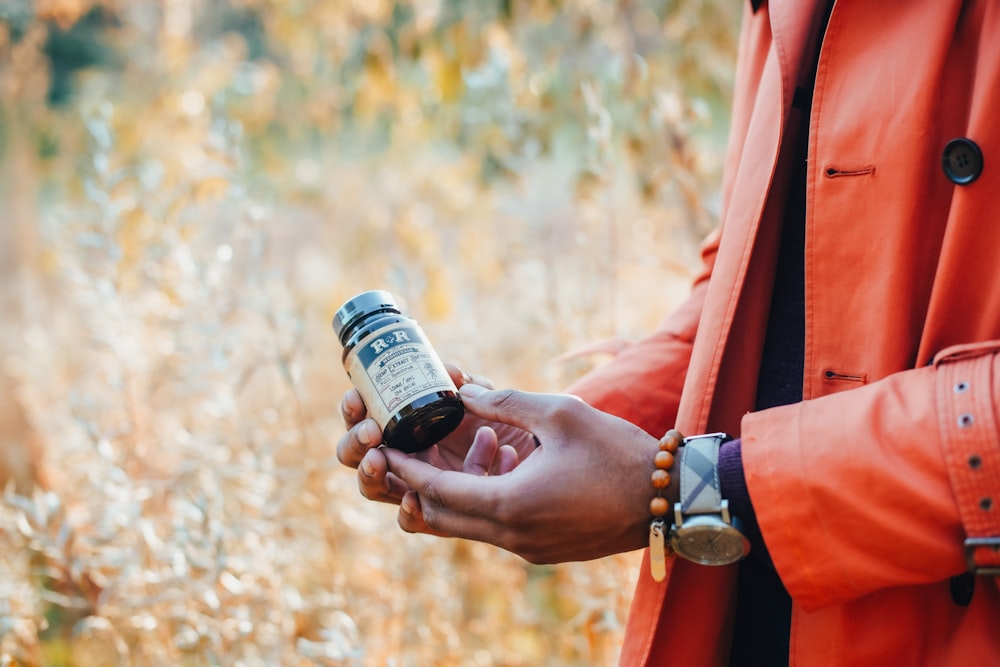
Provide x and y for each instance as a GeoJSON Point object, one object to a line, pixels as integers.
{"type": "Point", "coordinates": [360, 307]}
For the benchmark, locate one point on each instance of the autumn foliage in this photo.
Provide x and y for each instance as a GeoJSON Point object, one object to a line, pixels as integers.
{"type": "Point", "coordinates": [189, 189]}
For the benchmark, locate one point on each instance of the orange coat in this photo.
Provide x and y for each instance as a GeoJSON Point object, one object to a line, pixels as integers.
{"type": "Point", "coordinates": [866, 491]}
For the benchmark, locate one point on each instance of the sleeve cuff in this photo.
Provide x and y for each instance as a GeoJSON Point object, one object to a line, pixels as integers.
{"type": "Point", "coordinates": [731, 481]}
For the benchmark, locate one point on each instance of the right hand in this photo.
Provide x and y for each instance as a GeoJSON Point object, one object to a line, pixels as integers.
{"type": "Point", "coordinates": [476, 447]}
{"type": "Point", "coordinates": [584, 492]}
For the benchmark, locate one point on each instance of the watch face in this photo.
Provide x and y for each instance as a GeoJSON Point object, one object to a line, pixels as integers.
{"type": "Point", "coordinates": [708, 540]}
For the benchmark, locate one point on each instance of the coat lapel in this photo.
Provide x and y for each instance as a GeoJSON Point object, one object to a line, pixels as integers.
{"type": "Point", "coordinates": [777, 53]}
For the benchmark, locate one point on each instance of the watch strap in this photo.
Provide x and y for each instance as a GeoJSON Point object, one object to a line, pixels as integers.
{"type": "Point", "coordinates": [700, 490]}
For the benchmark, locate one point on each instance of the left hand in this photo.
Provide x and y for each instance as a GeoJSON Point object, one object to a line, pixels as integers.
{"type": "Point", "coordinates": [469, 448]}
{"type": "Point", "coordinates": [583, 494]}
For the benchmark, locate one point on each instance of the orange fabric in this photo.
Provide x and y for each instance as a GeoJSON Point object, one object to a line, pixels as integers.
{"type": "Point", "coordinates": [863, 492]}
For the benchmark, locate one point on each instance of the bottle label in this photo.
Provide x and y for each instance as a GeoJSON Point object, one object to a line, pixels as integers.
{"type": "Point", "coordinates": [393, 366]}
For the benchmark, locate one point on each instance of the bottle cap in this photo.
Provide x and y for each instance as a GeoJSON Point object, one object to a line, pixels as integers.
{"type": "Point", "coordinates": [359, 307]}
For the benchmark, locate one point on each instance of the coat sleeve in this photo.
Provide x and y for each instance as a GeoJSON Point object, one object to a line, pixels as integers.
{"type": "Point", "coordinates": [643, 383]}
{"type": "Point", "coordinates": [840, 521]}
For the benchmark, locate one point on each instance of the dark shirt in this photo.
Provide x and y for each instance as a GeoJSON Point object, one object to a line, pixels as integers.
{"type": "Point", "coordinates": [764, 609]}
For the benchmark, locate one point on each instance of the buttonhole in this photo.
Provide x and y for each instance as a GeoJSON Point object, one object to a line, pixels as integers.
{"type": "Point", "coordinates": [830, 374]}
{"type": "Point", "coordinates": [837, 172]}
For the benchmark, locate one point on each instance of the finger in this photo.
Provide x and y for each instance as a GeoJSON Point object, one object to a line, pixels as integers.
{"type": "Point", "coordinates": [411, 516]}
{"type": "Point", "coordinates": [376, 482]}
{"type": "Point", "coordinates": [535, 413]}
{"type": "Point", "coordinates": [460, 377]}
{"type": "Point", "coordinates": [352, 447]}
{"type": "Point", "coordinates": [482, 452]}
{"type": "Point", "coordinates": [422, 516]}
{"type": "Point", "coordinates": [507, 460]}
{"type": "Point", "coordinates": [352, 408]}
{"type": "Point", "coordinates": [452, 502]}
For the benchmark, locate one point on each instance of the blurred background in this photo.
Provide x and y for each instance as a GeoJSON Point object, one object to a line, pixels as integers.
{"type": "Point", "coordinates": [188, 191]}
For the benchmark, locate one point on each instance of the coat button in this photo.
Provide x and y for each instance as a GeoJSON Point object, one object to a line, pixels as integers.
{"type": "Point", "coordinates": [962, 161]}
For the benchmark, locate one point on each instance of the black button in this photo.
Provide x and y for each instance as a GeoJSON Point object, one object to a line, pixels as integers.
{"type": "Point", "coordinates": [962, 161]}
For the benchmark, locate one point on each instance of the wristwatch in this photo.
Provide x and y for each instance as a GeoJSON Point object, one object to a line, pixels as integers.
{"type": "Point", "coordinates": [704, 531]}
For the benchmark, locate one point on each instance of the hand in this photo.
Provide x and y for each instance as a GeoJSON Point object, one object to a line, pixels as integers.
{"type": "Point", "coordinates": [583, 494]}
{"type": "Point", "coordinates": [466, 449]}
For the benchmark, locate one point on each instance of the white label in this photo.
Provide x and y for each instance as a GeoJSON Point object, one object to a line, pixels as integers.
{"type": "Point", "coordinates": [393, 366]}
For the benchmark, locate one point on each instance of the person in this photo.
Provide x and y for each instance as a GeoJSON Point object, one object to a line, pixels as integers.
{"type": "Point", "coordinates": [844, 332]}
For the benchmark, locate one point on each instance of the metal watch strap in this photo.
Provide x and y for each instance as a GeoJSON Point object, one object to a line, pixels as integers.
{"type": "Point", "coordinates": [700, 491]}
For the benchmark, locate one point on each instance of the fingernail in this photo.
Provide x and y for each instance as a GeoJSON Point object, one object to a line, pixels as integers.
{"type": "Point", "coordinates": [472, 390]}
{"type": "Point", "coordinates": [406, 506]}
{"type": "Point", "coordinates": [366, 467]}
{"type": "Point", "coordinates": [364, 433]}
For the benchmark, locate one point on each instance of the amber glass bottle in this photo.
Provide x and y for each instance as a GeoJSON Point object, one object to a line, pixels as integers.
{"type": "Point", "coordinates": [398, 374]}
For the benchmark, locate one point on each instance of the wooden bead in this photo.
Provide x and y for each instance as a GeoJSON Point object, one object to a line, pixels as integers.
{"type": "Point", "coordinates": [658, 506]}
{"type": "Point", "coordinates": [660, 479]}
{"type": "Point", "coordinates": [671, 440]}
{"type": "Point", "coordinates": [663, 460]}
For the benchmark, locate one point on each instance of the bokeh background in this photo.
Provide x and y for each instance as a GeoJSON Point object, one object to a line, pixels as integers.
{"type": "Point", "coordinates": [188, 191]}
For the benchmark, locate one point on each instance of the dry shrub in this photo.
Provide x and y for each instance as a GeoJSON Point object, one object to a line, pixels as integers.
{"type": "Point", "coordinates": [167, 330]}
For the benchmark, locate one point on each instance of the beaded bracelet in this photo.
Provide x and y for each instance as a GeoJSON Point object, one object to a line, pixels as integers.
{"type": "Point", "coordinates": [659, 506]}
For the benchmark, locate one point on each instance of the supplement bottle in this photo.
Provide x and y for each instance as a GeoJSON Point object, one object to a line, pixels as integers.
{"type": "Point", "coordinates": [402, 381]}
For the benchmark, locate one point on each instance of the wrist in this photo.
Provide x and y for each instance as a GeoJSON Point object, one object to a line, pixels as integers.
{"type": "Point", "coordinates": [732, 481]}
{"type": "Point", "coordinates": [665, 462]}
